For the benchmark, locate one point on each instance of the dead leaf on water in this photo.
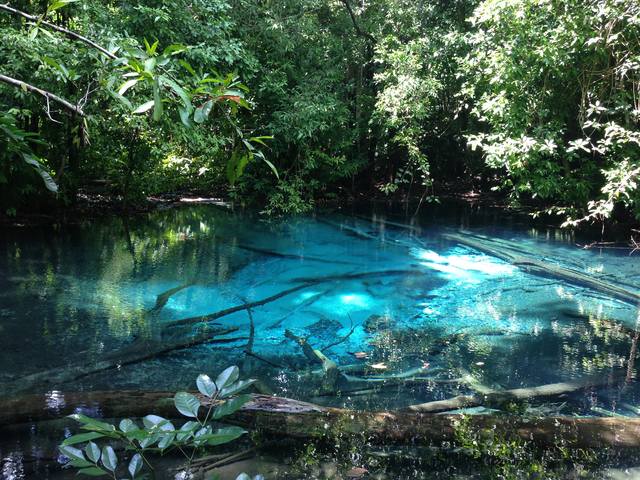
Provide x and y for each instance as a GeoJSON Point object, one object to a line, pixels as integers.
{"type": "Point", "coordinates": [357, 472]}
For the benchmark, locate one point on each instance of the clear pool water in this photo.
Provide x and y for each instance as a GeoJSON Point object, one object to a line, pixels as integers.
{"type": "Point", "coordinates": [379, 298]}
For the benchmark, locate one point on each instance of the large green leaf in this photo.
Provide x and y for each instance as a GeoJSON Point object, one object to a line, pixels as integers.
{"type": "Point", "coordinates": [89, 423]}
{"type": "Point", "coordinates": [202, 112]}
{"type": "Point", "coordinates": [145, 107]}
{"type": "Point", "coordinates": [93, 472]}
{"type": "Point", "coordinates": [157, 101]}
{"type": "Point", "coordinates": [206, 386]}
{"type": "Point", "coordinates": [187, 404]}
{"type": "Point", "coordinates": [154, 421]}
{"type": "Point", "coordinates": [135, 465]}
{"type": "Point", "coordinates": [92, 451]}
{"type": "Point", "coordinates": [72, 453]}
{"type": "Point", "coordinates": [236, 387]}
{"type": "Point", "coordinates": [127, 425]}
{"type": "Point", "coordinates": [82, 437]}
{"type": "Point", "coordinates": [109, 458]}
{"type": "Point", "coordinates": [224, 435]}
{"type": "Point", "coordinates": [227, 377]}
{"type": "Point", "coordinates": [49, 182]}
{"type": "Point", "coordinates": [230, 406]}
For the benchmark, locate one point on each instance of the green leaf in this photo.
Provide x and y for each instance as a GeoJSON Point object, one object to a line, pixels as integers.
{"type": "Point", "coordinates": [227, 377]}
{"type": "Point", "coordinates": [82, 437]}
{"type": "Point", "coordinates": [150, 64]}
{"type": "Point", "coordinates": [186, 100]}
{"type": "Point", "coordinates": [236, 388]}
{"type": "Point", "coordinates": [272, 167]}
{"type": "Point", "coordinates": [261, 139]}
{"type": "Point", "coordinates": [154, 421]}
{"type": "Point", "coordinates": [109, 459]}
{"type": "Point", "coordinates": [224, 435]}
{"type": "Point", "coordinates": [145, 107]}
{"type": "Point", "coordinates": [230, 406]}
{"type": "Point", "coordinates": [206, 386]}
{"type": "Point", "coordinates": [187, 66]}
{"type": "Point", "coordinates": [187, 430]}
{"type": "Point", "coordinates": [58, 5]}
{"type": "Point", "coordinates": [166, 440]}
{"type": "Point", "coordinates": [202, 112]}
{"type": "Point", "coordinates": [135, 465]}
{"type": "Point", "coordinates": [174, 49]}
{"type": "Point", "coordinates": [127, 425]}
{"type": "Point", "coordinates": [92, 451]}
{"type": "Point", "coordinates": [92, 424]}
{"type": "Point", "coordinates": [185, 116]}
{"type": "Point", "coordinates": [72, 453]}
{"type": "Point", "coordinates": [157, 101]}
{"type": "Point", "coordinates": [49, 182]}
{"type": "Point", "coordinates": [93, 472]}
{"type": "Point", "coordinates": [149, 440]}
{"type": "Point", "coordinates": [187, 404]}
{"type": "Point", "coordinates": [127, 85]}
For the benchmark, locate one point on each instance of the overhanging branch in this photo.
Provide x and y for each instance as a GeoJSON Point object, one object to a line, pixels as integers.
{"type": "Point", "coordinates": [52, 26]}
{"type": "Point", "coordinates": [48, 95]}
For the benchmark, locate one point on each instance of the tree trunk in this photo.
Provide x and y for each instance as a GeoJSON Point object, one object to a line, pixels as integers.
{"type": "Point", "coordinates": [307, 421]}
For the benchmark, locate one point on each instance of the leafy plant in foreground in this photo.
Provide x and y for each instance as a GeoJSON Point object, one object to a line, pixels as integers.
{"type": "Point", "coordinates": [158, 435]}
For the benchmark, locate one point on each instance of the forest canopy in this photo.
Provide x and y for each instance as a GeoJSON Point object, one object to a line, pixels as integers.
{"type": "Point", "coordinates": [286, 103]}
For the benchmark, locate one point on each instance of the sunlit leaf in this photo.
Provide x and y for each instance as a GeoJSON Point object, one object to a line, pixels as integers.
{"type": "Point", "coordinates": [187, 404]}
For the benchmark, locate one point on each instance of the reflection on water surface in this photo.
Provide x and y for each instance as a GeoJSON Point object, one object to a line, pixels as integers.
{"type": "Point", "coordinates": [403, 306]}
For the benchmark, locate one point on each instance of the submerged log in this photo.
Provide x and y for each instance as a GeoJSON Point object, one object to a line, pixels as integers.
{"type": "Point", "coordinates": [293, 256]}
{"type": "Point", "coordinates": [135, 353]}
{"type": "Point", "coordinates": [487, 397]}
{"type": "Point", "coordinates": [306, 282]}
{"type": "Point", "coordinates": [164, 297]}
{"type": "Point", "coordinates": [286, 417]}
{"type": "Point", "coordinates": [545, 269]}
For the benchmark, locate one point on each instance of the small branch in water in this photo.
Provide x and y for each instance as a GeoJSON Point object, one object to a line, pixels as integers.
{"type": "Point", "coordinates": [341, 340]}
{"type": "Point", "coordinates": [164, 297]}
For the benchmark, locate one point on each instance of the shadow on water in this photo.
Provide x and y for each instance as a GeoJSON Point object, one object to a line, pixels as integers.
{"type": "Point", "coordinates": [403, 311]}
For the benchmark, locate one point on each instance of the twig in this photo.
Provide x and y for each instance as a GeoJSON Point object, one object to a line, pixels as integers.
{"type": "Point", "coordinates": [262, 359]}
{"type": "Point", "coordinates": [343, 339]}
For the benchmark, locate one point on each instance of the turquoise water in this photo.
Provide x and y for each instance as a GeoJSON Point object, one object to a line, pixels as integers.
{"type": "Point", "coordinates": [377, 298]}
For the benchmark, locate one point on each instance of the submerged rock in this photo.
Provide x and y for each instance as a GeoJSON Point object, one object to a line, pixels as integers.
{"type": "Point", "coordinates": [324, 327]}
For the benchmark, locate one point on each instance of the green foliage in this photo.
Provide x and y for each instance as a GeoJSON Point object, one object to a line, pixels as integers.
{"type": "Point", "coordinates": [18, 161]}
{"type": "Point", "coordinates": [554, 84]}
{"type": "Point", "coordinates": [158, 435]}
{"type": "Point", "coordinates": [537, 99]}
{"type": "Point", "coordinates": [143, 99]}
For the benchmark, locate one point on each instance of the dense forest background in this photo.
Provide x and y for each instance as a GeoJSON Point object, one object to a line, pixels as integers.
{"type": "Point", "coordinates": [287, 103]}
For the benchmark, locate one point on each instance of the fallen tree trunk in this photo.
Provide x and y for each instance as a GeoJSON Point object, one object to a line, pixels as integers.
{"type": "Point", "coordinates": [545, 269]}
{"type": "Point", "coordinates": [286, 417]}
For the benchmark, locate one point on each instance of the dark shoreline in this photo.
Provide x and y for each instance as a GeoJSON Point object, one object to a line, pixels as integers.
{"type": "Point", "coordinates": [90, 207]}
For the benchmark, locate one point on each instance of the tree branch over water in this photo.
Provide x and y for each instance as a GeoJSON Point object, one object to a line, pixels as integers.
{"type": "Point", "coordinates": [46, 94]}
{"type": "Point", "coordinates": [76, 36]}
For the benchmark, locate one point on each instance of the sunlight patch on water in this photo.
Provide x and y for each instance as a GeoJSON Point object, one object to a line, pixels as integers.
{"type": "Point", "coordinates": [464, 266]}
